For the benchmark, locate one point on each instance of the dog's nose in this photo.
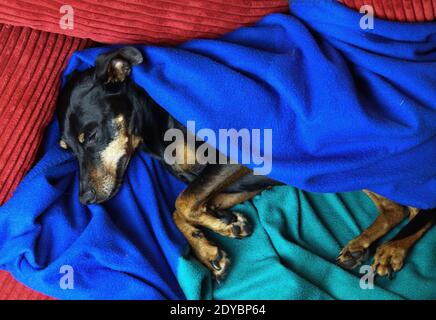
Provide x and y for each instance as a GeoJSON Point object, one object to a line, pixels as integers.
{"type": "Point", "coordinates": [88, 197]}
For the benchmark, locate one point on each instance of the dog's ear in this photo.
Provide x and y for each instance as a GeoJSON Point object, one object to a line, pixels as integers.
{"type": "Point", "coordinates": [116, 66]}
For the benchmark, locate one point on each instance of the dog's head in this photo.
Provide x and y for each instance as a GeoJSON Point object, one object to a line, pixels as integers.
{"type": "Point", "coordinates": [97, 122]}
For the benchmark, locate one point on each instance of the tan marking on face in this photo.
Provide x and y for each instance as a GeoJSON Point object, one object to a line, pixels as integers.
{"type": "Point", "coordinates": [116, 149]}
{"type": "Point", "coordinates": [81, 138]}
{"type": "Point", "coordinates": [103, 182]}
{"type": "Point", "coordinates": [135, 141]}
{"type": "Point", "coordinates": [104, 177]}
{"type": "Point", "coordinates": [63, 145]}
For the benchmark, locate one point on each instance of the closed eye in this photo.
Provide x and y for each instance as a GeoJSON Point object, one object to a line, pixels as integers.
{"type": "Point", "coordinates": [92, 136]}
{"type": "Point", "coordinates": [89, 134]}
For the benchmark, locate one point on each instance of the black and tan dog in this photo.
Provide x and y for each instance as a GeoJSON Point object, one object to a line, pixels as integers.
{"type": "Point", "coordinates": [104, 117]}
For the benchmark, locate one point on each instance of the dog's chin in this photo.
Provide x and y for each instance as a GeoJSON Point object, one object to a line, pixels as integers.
{"type": "Point", "coordinates": [122, 168]}
{"type": "Point", "coordinates": [113, 193]}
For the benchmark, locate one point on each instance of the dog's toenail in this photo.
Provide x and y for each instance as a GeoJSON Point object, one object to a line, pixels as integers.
{"type": "Point", "coordinates": [215, 266]}
{"type": "Point", "coordinates": [356, 254]}
{"type": "Point", "coordinates": [228, 218]}
{"type": "Point", "coordinates": [236, 230]}
{"type": "Point", "coordinates": [248, 228]}
{"type": "Point", "coordinates": [390, 272]}
{"type": "Point", "coordinates": [215, 263]}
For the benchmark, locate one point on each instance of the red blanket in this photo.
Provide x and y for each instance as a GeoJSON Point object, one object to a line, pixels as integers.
{"type": "Point", "coordinates": [34, 50]}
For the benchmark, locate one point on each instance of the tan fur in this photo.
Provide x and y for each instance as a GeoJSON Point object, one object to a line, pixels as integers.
{"type": "Point", "coordinates": [192, 210]}
{"type": "Point", "coordinates": [81, 138]}
{"type": "Point", "coordinates": [413, 212]}
{"type": "Point", "coordinates": [228, 200]}
{"type": "Point", "coordinates": [63, 144]}
{"type": "Point", "coordinates": [216, 225]}
{"type": "Point", "coordinates": [390, 215]}
{"type": "Point", "coordinates": [204, 250]}
{"type": "Point", "coordinates": [104, 177]}
{"type": "Point", "coordinates": [103, 181]}
{"type": "Point", "coordinates": [391, 255]}
{"type": "Point", "coordinates": [187, 205]}
{"type": "Point", "coordinates": [116, 149]}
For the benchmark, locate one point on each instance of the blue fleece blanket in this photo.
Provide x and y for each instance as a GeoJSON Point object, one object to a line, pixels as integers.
{"type": "Point", "coordinates": [348, 108]}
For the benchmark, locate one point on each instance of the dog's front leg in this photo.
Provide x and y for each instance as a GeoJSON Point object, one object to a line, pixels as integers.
{"type": "Point", "coordinates": [192, 210]}
{"type": "Point", "coordinates": [390, 256]}
{"type": "Point", "coordinates": [357, 250]}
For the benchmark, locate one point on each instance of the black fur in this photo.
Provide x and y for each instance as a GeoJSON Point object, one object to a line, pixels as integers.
{"type": "Point", "coordinates": [93, 98]}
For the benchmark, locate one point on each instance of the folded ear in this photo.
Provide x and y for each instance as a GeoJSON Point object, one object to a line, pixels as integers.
{"type": "Point", "coordinates": [116, 66]}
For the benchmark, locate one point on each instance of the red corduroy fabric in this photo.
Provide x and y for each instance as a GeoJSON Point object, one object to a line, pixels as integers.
{"type": "Point", "coordinates": [31, 61]}
{"type": "Point", "coordinates": [30, 64]}
{"type": "Point", "coordinates": [399, 10]}
{"type": "Point", "coordinates": [155, 21]}
{"type": "Point", "coordinates": [13, 290]}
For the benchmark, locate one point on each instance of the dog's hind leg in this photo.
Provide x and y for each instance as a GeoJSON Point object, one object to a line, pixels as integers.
{"type": "Point", "coordinates": [357, 250]}
{"type": "Point", "coordinates": [192, 211]}
{"type": "Point", "coordinates": [390, 256]}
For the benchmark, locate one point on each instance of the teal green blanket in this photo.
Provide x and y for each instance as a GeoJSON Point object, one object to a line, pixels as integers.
{"type": "Point", "coordinates": [292, 253]}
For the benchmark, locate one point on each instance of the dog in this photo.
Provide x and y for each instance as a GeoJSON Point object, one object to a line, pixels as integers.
{"type": "Point", "coordinates": [104, 117]}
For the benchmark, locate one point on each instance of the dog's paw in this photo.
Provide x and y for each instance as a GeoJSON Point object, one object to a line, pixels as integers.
{"type": "Point", "coordinates": [235, 225]}
{"type": "Point", "coordinates": [389, 258]}
{"type": "Point", "coordinates": [219, 265]}
{"type": "Point", "coordinates": [354, 253]}
{"type": "Point", "coordinates": [213, 257]}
